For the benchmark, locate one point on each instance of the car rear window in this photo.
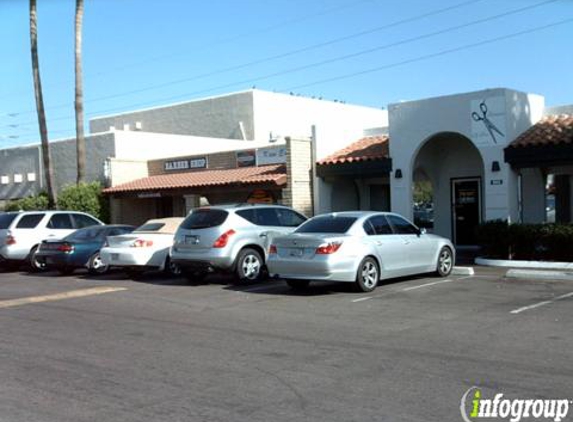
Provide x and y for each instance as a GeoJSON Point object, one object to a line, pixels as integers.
{"type": "Point", "coordinates": [6, 220]}
{"type": "Point", "coordinates": [29, 221]}
{"type": "Point", "coordinates": [150, 227]}
{"type": "Point", "coordinates": [204, 218]}
{"type": "Point", "coordinates": [327, 224]}
{"type": "Point", "coordinates": [87, 234]}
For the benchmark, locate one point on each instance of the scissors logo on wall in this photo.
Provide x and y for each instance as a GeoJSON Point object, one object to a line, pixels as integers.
{"type": "Point", "coordinates": [491, 128]}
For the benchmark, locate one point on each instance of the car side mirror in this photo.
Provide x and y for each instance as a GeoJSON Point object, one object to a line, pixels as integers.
{"type": "Point", "coordinates": [421, 231]}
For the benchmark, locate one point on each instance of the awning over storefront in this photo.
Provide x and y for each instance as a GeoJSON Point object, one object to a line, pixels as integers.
{"type": "Point", "coordinates": [547, 143]}
{"type": "Point", "coordinates": [367, 156]}
{"type": "Point", "coordinates": [271, 175]}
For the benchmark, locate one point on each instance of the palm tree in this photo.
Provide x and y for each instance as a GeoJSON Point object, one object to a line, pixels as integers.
{"type": "Point", "coordinates": [80, 140]}
{"type": "Point", "coordinates": [48, 170]}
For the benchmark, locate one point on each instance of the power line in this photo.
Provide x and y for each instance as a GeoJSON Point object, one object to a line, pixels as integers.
{"type": "Point", "coordinates": [274, 57]}
{"type": "Point", "coordinates": [267, 29]}
{"type": "Point", "coordinates": [433, 55]}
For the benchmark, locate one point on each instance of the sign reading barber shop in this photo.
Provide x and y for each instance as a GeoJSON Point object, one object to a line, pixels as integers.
{"type": "Point", "coordinates": [273, 155]}
{"type": "Point", "coordinates": [190, 164]}
{"type": "Point", "coordinates": [488, 121]}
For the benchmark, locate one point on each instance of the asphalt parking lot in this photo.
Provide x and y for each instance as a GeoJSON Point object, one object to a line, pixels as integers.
{"type": "Point", "coordinates": [83, 349]}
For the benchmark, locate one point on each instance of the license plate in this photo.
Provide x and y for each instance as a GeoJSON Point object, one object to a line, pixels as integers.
{"type": "Point", "coordinates": [191, 240]}
{"type": "Point", "coordinates": [297, 253]}
{"type": "Point", "coordinates": [115, 257]}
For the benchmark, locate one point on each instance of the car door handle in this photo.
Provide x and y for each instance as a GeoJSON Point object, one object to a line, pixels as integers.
{"type": "Point", "coordinates": [263, 235]}
{"type": "Point", "coordinates": [379, 243]}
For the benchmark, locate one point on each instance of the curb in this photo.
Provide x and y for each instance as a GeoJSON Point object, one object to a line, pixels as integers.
{"type": "Point", "coordinates": [463, 271]}
{"type": "Point", "coordinates": [537, 265]}
{"type": "Point", "coordinates": [540, 275]}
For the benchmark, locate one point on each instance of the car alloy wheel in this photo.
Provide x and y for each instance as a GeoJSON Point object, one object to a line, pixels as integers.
{"type": "Point", "coordinates": [97, 266]}
{"type": "Point", "coordinates": [445, 262]}
{"type": "Point", "coordinates": [249, 265]}
{"type": "Point", "coordinates": [36, 264]}
{"type": "Point", "coordinates": [367, 277]}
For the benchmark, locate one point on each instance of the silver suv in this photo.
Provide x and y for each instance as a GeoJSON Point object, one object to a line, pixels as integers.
{"type": "Point", "coordinates": [231, 238]}
{"type": "Point", "coordinates": [22, 232]}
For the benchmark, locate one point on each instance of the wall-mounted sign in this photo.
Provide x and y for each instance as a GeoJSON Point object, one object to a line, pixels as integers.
{"type": "Point", "coordinates": [271, 155]}
{"type": "Point", "coordinates": [496, 182]}
{"type": "Point", "coordinates": [145, 195]}
{"type": "Point", "coordinates": [261, 196]}
{"type": "Point", "coordinates": [193, 163]}
{"type": "Point", "coordinates": [488, 121]}
{"type": "Point", "coordinates": [246, 158]}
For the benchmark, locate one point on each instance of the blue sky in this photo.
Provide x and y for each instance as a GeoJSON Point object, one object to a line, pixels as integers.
{"type": "Point", "coordinates": [141, 53]}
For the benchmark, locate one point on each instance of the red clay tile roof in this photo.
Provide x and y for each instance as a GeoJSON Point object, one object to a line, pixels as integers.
{"type": "Point", "coordinates": [366, 149]}
{"type": "Point", "coordinates": [551, 130]}
{"type": "Point", "coordinates": [275, 173]}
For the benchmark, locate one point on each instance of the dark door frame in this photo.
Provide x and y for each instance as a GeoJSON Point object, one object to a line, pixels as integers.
{"type": "Point", "coordinates": [452, 202]}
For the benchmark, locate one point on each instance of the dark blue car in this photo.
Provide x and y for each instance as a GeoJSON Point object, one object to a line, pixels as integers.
{"type": "Point", "coordinates": [79, 249]}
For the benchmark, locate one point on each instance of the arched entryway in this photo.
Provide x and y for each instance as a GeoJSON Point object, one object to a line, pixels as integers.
{"type": "Point", "coordinates": [451, 169]}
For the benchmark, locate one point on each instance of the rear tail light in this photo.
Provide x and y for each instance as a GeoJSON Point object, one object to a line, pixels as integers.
{"type": "Point", "coordinates": [222, 240]}
{"type": "Point", "coordinates": [66, 248]}
{"type": "Point", "coordinates": [10, 240]}
{"type": "Point", "coordinates": [272, 250]}
{"type": "Point", "coordinates": [328, 248]}
{"type": "Point", "coordinates": [142, 243]}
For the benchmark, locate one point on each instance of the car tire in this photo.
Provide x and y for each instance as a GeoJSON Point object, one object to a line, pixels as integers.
{"type": "Point", "coordinates": [171, 269]}
{"type": "Point", "coordinates": [368, 275]}
{"type": "Point", "coordinates": [445, 262]}
{"type": "Point", "coordinates": [34, 264]}
{"type": "Point", "coordinates": [96, 266]}
{"type": "Point", "coordinates": [249, 266]}
{"type": "Point", "coordinates": [298, 285]}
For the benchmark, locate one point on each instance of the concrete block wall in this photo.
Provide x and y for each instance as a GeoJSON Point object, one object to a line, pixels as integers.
{"type": "Point", "coordinates": [298, 193]}
{"type": "Point", "coordinates": [123, 171]}
{"type": "Point", "coordinates": [216, 117]}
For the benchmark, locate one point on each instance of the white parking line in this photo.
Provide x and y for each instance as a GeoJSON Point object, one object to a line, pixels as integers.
{"type": "Point", "coordinates": [407, 289]}
{"type": "Point", "coordinates": [362, 299]}
{"type": "Point", "coordinates": [539, 304]}
{"type": "Point", "coordinates": [58, 296]}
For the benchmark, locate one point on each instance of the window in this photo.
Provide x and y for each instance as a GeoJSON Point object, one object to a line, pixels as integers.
{"type": "Point", "coordinates": [5, 180]}
{"type": "Point", "coordinates": [89, 234]}
{"type": "Point", "coordinates": [118, 231]}
{"type": "Point", "coordinates": [150, 227]}
{"type": "Point", "coordinates": [18, 178]}
{"type": "Point", "coordinates": [380, 225]}
{"type": "Point", "coordinates": [260, 216]}
{"type": "Point", "coordinates": [6, 220]}
{"type": "Point", "coordinates": [369, 228]}
{"type": "Point", "coordinates": [327, 224]}
{"type": "Point", "coordinates": [61, 222]}
{"type": "Point", "coordinates": [82, 221]}
{"type": "Point", "coordinates": [30, 221]}
{"type": "Point", "coordinates": [203, 218]}
{"type": "Point", "coordinates": [402, 226]}
{"type": "Point", "coordinates": [289, 218]}
{"type": "Point", "coordinates": [31, 177]}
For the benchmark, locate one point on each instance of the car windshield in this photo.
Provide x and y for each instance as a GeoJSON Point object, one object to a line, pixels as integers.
{"type": "Point", "coordinates": [85, 235]}
{"type": "Point", "coordinates": [204, 218]}
{"type": "Point", "coordinates": [6, 220]}
{"type": "Point", "coordinates": [327, 224]}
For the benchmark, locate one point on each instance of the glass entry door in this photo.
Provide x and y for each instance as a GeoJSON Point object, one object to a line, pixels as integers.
{"type": "Point", "coordinates": [466, 210]}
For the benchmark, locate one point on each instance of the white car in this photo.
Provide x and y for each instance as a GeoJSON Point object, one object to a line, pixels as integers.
{"type": "Point", "coordinates": [22, 232]}
{"type": "Point", "coordinates": [146, 248]}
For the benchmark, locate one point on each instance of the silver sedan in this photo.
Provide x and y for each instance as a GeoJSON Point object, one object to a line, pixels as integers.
{"type": "Point", "coordinates": [359, 246]}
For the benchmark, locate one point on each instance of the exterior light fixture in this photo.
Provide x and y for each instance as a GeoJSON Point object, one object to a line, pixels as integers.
{"type": "Point", "coordinates": [495, 166]}
{"type": "Point", "coordinates": [398, 174]}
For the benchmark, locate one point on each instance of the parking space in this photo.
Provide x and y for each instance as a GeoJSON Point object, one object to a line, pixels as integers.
{"type": "Point", "coordinates": [161, 348]}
